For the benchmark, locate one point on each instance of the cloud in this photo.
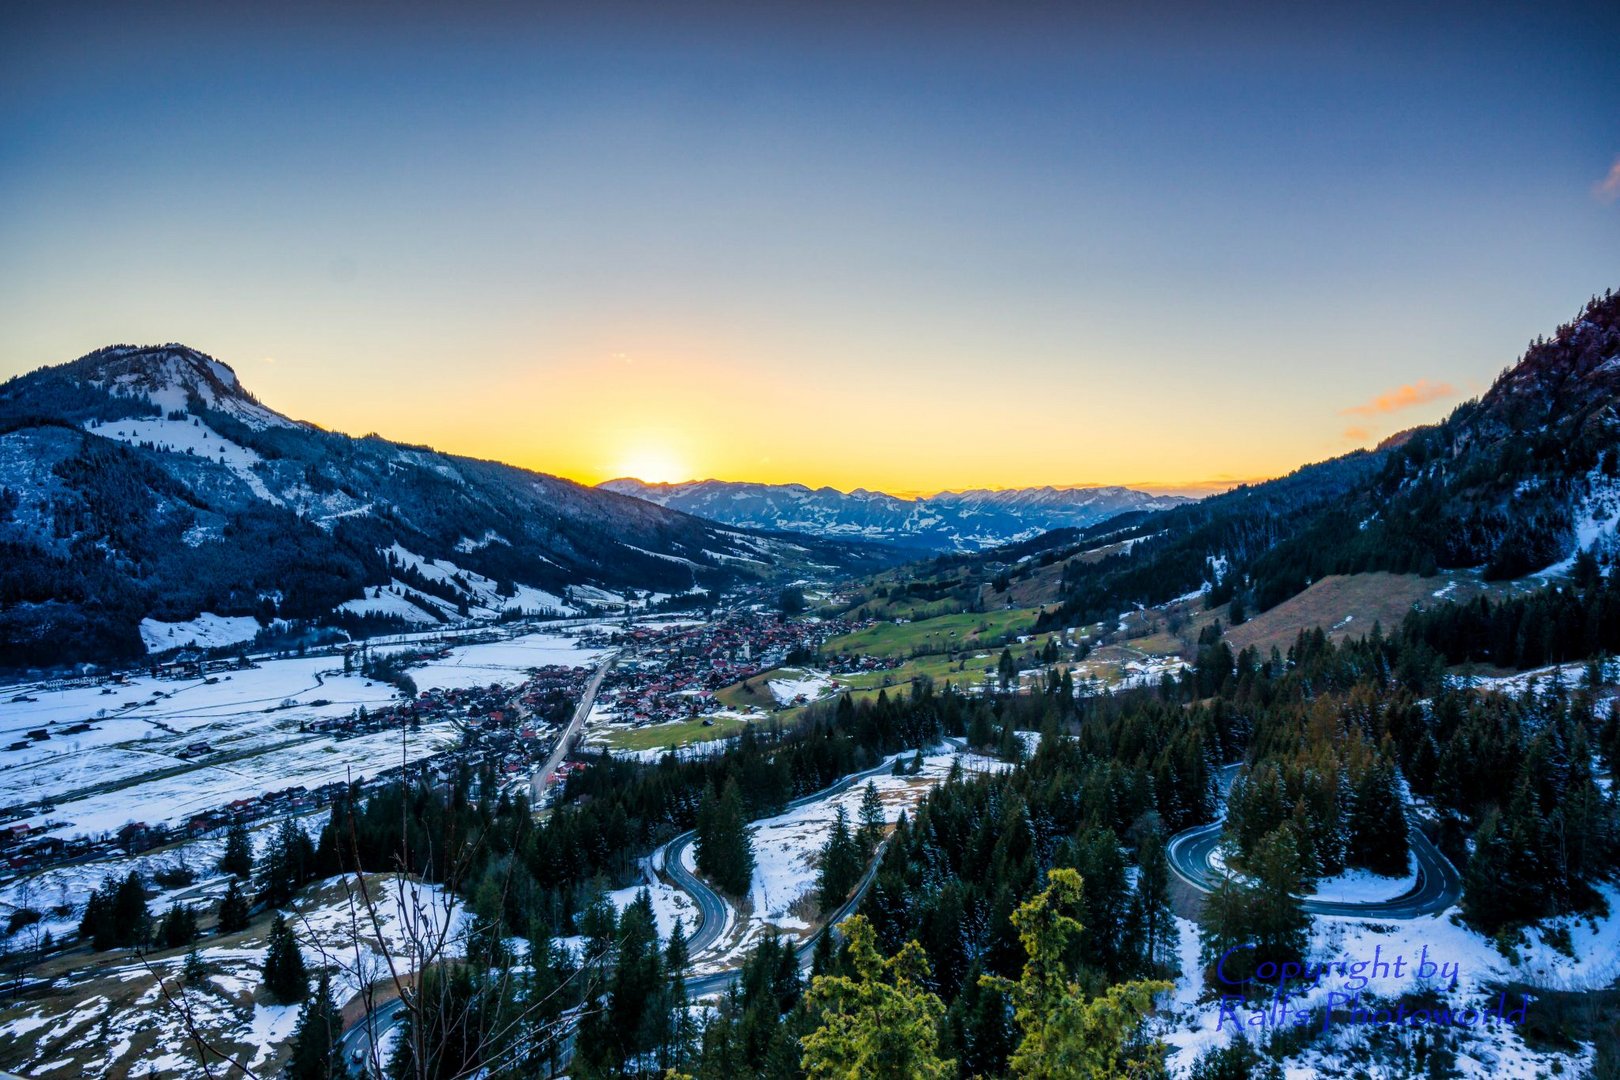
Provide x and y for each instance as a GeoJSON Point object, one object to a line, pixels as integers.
{"type": "Point", "coordinates": [1357, 434]}
{"type": "Point", "coordinates": [1608, 188]}
{"type": "Point", "coordinates": [1402, 397]}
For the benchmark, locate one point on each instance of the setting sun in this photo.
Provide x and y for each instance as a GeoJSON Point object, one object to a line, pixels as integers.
{"type": "Point", "coordinates": [654, 466]}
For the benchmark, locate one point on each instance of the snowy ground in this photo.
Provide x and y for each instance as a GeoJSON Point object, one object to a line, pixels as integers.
{"type": "Point", "coordinates": [205, 631]}
{"type": "Point", "coordinates": [483, 599]}
{"type": "Point", "coordinates": [59, 892]}
{"type": "Point", "coordinates": [1542, 680]}
{"type": "Point", "coordinates": [669, 904]}
{"type": "Point", "coordinates": [1466, 967]}
{"type": "Point", "coordinates": [1365, 887]}
{"type": "Point", "coordinates": [126, 762]}
{"type": "Point", "coordinates": [795, 684]}
{"type": "Point", "coordinates": [506, 662]}
{"type": "Point", "coordinates": [115, 1020]}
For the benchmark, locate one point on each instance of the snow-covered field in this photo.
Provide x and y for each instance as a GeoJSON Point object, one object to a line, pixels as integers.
{"type": "Point", "coordinates": [1365, 887]}
{"type": "Point", "coordinates": [1541, 680]}
{"type": "Point", "coordinates": [1468, 972]}
{"type": "Point", "coordinates": [205, 631]}
{"type": "Point", "coordinates": [795, 684]}
{"type": "Point", "coordinates": [668, 902]}
{"type": "Point", "coordinates": [125, 762]}
{"type": "Point", "coordinates": [506, 662]}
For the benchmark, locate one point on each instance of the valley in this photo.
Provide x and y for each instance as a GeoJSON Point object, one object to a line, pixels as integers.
{"type": "Point", "coordinates": [1368, 707]}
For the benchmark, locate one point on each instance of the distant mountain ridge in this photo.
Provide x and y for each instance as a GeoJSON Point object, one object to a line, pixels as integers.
{"type": "Point", "coordinates": [950, 521]}
{"type": "Point", "coordinates": [148, 499]}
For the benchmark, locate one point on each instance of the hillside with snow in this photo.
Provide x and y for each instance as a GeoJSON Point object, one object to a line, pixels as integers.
{"type": "Point", "coordinates": [149, 502]}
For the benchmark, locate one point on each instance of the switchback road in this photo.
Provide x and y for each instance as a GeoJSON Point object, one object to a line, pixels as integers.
{"type": "Point", "coordinates": [1438, 886]}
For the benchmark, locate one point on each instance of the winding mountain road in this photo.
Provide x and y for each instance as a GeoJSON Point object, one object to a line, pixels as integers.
{"type": "Point", "coordinates": [1438, 886]}
{"type": "Point", "coordinates": [714, 908]}
{"type": "Point", "coordinates": [711, 905]}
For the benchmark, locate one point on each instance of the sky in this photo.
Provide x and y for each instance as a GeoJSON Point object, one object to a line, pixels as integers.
{"type": "Point", "coordinates": [900, 247]}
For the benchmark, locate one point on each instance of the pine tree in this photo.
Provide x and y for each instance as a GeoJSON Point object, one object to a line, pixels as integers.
{"type": "Point", "coordinates": [872, 820]}
{"type": "Point", "coordinates": [115, 915]}
{"type": "Point", "coordinates": [238, 857]}
{"type": "Point", "coordinates": [1064, 1033]}
{"type": "Point", "coordinates": [177, 927]}
{"type": "Point", "coordinates": [233, 909]}
{"type": "Point", "coordinates": [682, 1030]}
{"type": "Point", "coordinates": [1152, 908]}
{"type": "Point", "coordinates": [879, 1023]}
{"type": "Point", "coordinates": [824, 956]}
{"type": "Point", "coordinates": [316, 1052]}
{"type": "Point", "coordinates": [840, 863]}
{"type": "Point", "coordinates": [725, 851]}
{"type": "Point", "coordinates": [284, 976]}
{"type": "Point", "coordinates": [1377, 827]}
{"type": "Point", "coordinates": [194, 971]}
{"type": "Point", "coordinates": [637, 1009]}
{"type": "Point", "coordinates": [1006, 669]}
{"type": "Point", "coordinates": [289, 862]}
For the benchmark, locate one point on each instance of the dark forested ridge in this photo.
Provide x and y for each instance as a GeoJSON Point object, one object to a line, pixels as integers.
{"type": "Point", "coordinates": [195, 497]}
{"type": "Point", "coordinates": [1502, 484]}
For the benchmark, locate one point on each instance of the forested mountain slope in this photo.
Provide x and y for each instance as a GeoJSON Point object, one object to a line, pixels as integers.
{"type": "Point", "coordinates": [1514, 483]}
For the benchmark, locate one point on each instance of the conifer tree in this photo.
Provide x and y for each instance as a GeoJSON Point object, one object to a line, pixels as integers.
{"type": "Point", "coordinates": [725, 851]}
{"type": "Point", "coordinates": [878, 1023]}
{"type": "Point", "coordinates": [1152, 912]}
{"type": "Point", "coordinates": [194, 971]}
{"type": "Point", "coordinates": [289, 862]}
{"type": "Point", "coordinates": [872, 820]}
{"type": "Point", "coordinates": [840, 863]}
{"type": "Point", "coordinates": [238, 857]}
{"type": "Point", "coordinates": [177, 927]}
{"type": "Point", "coordinates": [682, 1029]}
{"type": "Point", "coordinates": [233, 909]}
{"type": "Point", "coordinates": [316, 1054]}
{"type": "Point", "coordinates": [1377, 827]}
{"type": "Point", "coordinates": [1006, 669]}
{"type": "Point", "coordinates": [1064, 1033]}
{"type": "Point", "coordinates": [284, 976]}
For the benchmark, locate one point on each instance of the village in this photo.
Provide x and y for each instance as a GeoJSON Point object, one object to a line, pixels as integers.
{"type": "Point", "coordinates": [673, 671]}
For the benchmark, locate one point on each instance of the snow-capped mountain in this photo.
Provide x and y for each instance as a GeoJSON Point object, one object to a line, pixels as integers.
{"type": "Point", "coordinates": [949, 521]}
{"type": "Point", "coordinates": [148, 500]}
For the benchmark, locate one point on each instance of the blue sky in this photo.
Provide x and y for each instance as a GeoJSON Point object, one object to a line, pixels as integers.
{"type": "Point", "coordinates": [1158, 244]}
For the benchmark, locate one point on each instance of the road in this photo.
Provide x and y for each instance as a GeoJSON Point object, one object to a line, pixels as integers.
{"type": "Point", "coordinates": [355, 1044]}
{"type": "Point", "coordinates": [1438, 886]}
{"type": "Point", "coordinates": [710, 903]}
{"type": "Point", "coordinates": [565, 741]}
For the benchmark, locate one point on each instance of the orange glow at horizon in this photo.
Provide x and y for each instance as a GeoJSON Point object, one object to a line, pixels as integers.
{"type": "Point", "coordinates": [680, 400]}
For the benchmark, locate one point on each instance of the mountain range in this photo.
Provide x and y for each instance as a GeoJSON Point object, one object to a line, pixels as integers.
{"type": "Point", "coordinates": [949, 521]}
{"type": "Point", "coordinates": [147, 500]}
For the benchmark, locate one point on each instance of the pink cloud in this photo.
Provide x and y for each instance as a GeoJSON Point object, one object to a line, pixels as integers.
{"type": "Point", "coordinates": [1608, 189]}
{"type": "Point", "coordinates": [1402, 397]}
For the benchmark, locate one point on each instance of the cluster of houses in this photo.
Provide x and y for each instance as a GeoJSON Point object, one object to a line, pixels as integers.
{"type": "Point", "coordinates": [672, 670]}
